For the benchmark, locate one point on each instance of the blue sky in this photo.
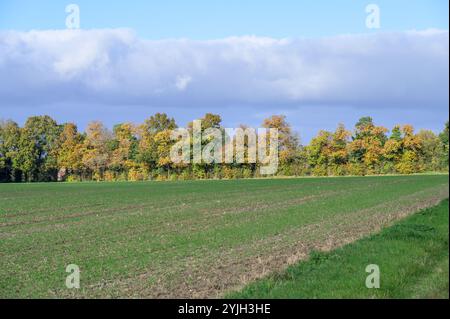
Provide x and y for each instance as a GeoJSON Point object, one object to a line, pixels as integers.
{"type": "Point", "coordinates": [210, 19]}
{"type": "Point", "coordinates": [314, 61]}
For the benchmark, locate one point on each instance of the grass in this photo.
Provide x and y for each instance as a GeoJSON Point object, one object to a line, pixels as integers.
{"type": "Point", "coordinates": [412, 257]}
{"type": "Point", "coordinates": [187, 239]}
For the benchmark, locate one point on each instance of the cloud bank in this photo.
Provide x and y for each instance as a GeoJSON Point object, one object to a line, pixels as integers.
{"type": "Point", "coordinates": [116, 67]}
{"type": "Point", "coordinates": [115, 76]}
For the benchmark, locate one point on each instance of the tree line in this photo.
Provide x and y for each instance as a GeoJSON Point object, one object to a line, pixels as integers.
{"type": "Point", "coordinates": [43, 150]}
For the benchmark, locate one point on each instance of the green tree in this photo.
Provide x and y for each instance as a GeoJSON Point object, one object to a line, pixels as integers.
{"type": "Point", "coordinates": [444, 149]}
{"type": "Point", "coordinates": [37, 155]}
{"type": "Point", "coordinates": [9, 148]}
{"type": "Point", "coordinates": [42, 150]}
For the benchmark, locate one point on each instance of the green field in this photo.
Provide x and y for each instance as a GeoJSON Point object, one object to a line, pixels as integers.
{"type": "Point", "coordinates": [188, 239]}
{"type": "Point", "coordinates": [412, 257]}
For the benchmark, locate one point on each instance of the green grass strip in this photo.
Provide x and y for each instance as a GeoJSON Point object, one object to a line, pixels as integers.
{"type": "Point", "coordinates": [412, 256]}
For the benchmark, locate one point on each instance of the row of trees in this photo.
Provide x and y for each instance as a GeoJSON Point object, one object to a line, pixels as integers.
{"type": "Point", "coordinates": [43, 150]}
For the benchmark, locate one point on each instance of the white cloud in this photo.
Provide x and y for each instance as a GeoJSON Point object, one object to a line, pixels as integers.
{"type": "Point", "coordinates": [115, 66]}
{"type": "Point", "coordinates": [182, 82]}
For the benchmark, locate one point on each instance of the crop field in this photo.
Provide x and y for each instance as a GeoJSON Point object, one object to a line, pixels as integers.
{"type": "Point", "coordinates": [412, 256]}
{"type": "Point", "coordinates": [191, 239]}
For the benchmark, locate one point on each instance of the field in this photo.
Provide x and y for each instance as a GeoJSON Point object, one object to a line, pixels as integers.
{"type": "Point", "coordinates": [412, 257]}
{"type": "Point", "coordinates": [188, 239]}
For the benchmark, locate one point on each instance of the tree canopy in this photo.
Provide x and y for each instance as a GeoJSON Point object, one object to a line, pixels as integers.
{"type": "Point", "coordinates": [43, 150]}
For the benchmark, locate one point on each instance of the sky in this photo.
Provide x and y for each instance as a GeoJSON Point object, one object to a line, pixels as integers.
{"type": "Point", "coordinates": [317, 62]}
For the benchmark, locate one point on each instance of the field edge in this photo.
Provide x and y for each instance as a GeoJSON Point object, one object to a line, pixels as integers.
{"type": "Point", "coordinates": [433, 253]}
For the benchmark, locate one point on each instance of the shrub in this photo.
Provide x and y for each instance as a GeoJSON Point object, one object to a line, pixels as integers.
{"type": "Point", "coordinates": [72, 179]}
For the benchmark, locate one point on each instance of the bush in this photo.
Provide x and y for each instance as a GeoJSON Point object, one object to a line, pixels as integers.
{"type": "Point", "coordinates": [356, 169]}
{"type": "Point", "coordinates": [247, 173]}
{"type": "Point", "coordinates": [136, 174]}
{"type": "Point", "coordinates": [72, 179]}
{"type": "Point", "coordinates": [185, 175]}
{"type": "Point", "coordinates": [320, 170]}
{"type": "Point", "coordinates": [198, 172]}
{"type": "Point", "coordinates": [408, 163]}
{"type": "Point", "coordinates": [228, 172]}
{"type": "Point", "coordinates": [109, 176]}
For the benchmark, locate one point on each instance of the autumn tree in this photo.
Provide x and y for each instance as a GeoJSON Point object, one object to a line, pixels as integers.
{"type": "Point", "coordinates": [208, 122]}
{"type": "Point", "coordinates": [288, 141]}
{"type": "Point", "coordinates": [147, 147]}
{"type": "Point", "coordinates": [339, 150]}
{"type": "Point", "coordinates": [328, 152]}
{"type": "Point", "coordinates": [97, 149]}
{"type": "Point", "coordinates": [430, 146]}
{"type": "Point", "coordinates": [164, 143]}
{"type": "Point", "coordinates": [125, 148]}
{"type": "Point", "coordinates": [410, 151]}
{"type": "Point", "coordinates": [366, 147]}
{"type": "Point", "coordinates": [244, 146]}
{"type": "Point", "coordinates": [319, 153]}
{"type": "Point", "coordinates": [42, 150]}
{"type": "Point", "coordinates": [70, 152]}
{"type": "Point", "coordinates": [392, 150]}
